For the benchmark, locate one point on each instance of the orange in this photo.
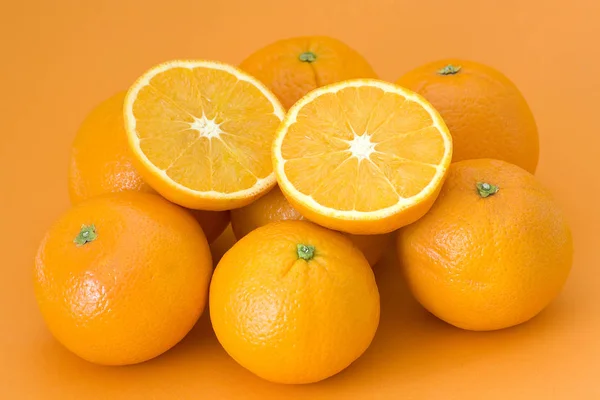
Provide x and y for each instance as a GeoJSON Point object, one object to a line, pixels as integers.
{"type": "Point", "coordinates": [101, 163]}
{"type": "Point", "coordinates": [123, 277]}
{"type": "Point", "coordinates": [486, 113]}
{"type": "Point", "coordinates": [222, 244]}
{"type": "Point", "coordinates": [295, 66]}
{"type": "Point", "coordinates": [492, 252]}
{"type": "Point", "coordinates": [213, 223]}
{"type": "Point", "coordinates": [200, 133]}
{"type": "Point", "coordinates": [274, 207]}
{"type": "Point", "coordinates": [362, 156]}
{"type": "Point", "coordinates": [294, 302]}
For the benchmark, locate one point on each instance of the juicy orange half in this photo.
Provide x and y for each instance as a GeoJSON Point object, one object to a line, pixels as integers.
{"type": "Point", "coordinates": [362, 156]}
{"type": "Point", "coordinates": [201, 133]}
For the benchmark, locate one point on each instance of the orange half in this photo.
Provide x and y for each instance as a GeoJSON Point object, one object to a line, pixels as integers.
{"type": "Point", "coordinates": [362, 156]}
{"type": "Point", "coordinates": [201, 133]}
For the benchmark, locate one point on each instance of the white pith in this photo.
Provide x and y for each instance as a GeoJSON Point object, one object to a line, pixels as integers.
{"type": "Point", "coordinates": [361, 146]}
{"type": "Point", "coordinates": [207, 128]}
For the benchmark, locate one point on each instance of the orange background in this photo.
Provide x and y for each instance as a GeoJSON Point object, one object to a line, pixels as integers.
{"type": "Point", "coordinates": [61, 57]}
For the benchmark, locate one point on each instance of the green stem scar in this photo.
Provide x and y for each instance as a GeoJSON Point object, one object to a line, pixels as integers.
{"type": "Point", "coordinates": [485, 189]}
{"type": "Point", "coordinates": [86, 234]}
{"type": "Point", "coordinates": [307, 56]}
{"type": "Point", "coordinates": [305, 252]}
{"type": "Point", "coordinates": [449, 69]}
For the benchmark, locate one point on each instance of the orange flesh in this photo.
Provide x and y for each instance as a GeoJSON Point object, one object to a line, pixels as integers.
{"type": "Point", "coordinates": [397, 149]}
{"type": "Point", "coordinates": [206, 129]}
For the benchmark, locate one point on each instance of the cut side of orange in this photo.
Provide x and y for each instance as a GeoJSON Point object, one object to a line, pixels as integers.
{"type": "Point", "coordinates": [201, 133]}
{"type": "Point", "coordinates": [362, 156]}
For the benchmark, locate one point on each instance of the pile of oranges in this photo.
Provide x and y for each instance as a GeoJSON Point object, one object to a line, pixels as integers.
{"type": "Point", "coordinates": [319, 166]}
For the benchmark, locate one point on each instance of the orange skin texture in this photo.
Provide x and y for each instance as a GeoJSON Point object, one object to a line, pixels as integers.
{"type": "Point", "coordinates": [274, 207]}
{"type": "Point", "coordinates": [101, 163]}
{"type": "Point", "coordinates": [278, 66]}
{"type": "Point", "coordinates": [133, 292]}
{"type": "Point", "coordinates": [289, 320]}
{"type": "Point", "coordinates": [487, 263]}
{"type": "Point", "coordinates": [485, 112]}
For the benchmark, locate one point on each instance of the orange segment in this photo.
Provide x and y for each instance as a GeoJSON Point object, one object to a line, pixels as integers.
{"type": "Point", "coordinates": [407, 117]}
{"type": "Point", "coordinates": [156, 106]}
{"type": "Point", "coordinates": [336, 189]}
{"type": "Point", "coordinates": [387, 193]}
{"type": "Point", "coordinates": [362, 156]}
{"type": "Point", "coordinates": [201, 133]}
{"type": "Point", "coordinates": [408, 177]}
{"type": "Point", "coordinates": [310, 172]}
{"type": "Point", "coordinates": [415, 145]}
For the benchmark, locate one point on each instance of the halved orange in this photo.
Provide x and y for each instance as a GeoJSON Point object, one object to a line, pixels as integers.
{"type": "Point", "coordinates": [362, 156]}
{"type": "Point", "coordinates": [201, 133]}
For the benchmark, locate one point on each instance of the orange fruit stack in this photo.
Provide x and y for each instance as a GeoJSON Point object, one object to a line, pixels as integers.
{"type": "Point", "coordinates": [442, 160]}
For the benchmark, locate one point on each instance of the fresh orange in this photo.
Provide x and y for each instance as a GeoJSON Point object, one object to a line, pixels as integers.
{"type": "Point", "coordinates": [123, 277]}
{"type": "Point", "coordinates": [486, 113]}
{"type": "Point", "coordinates": [100, 160]}
{"type": "Point", "coordinates": [294, 302]}
{"type": "Point", "coordinates": [101, 163]}
{"type": "Point", "coordinates": [274, 207]}
{"type": "Point", "coordinates": [362, 156]}
{"type": "Point", "coordinates": [269, 208]}
{"type": "Point", "coordinates": [492, 252]}
{"type": "Point", "coordinates": [295, 66]}
{"type": "Point", "coordinates": [200, 133]}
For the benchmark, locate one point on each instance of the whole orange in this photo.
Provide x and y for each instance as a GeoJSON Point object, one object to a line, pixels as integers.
{"type": "Point", "coordinates": [101, 163]}
{"type": "Point", "coordinates": [274, 207]}
{"type": "Point", "coordinates": [295, 66]}
{"type": "Point", "coordinates": [294, 302]}
{"type": "Point", "coordinates": [486, 113]}
{"type": "Point", "coordinates": [123, 277]}
{"type": "Point", "coordinates": [493, 251]}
